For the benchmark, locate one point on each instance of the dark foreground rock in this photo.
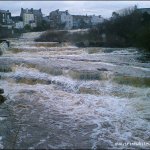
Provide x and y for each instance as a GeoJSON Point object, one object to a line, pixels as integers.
{"type": "Point", "coordinates": [1, 52]}
{"type": "Point", "coordinates": [2, 99]}
{"type": "Point", "coordinates": [1, 91]}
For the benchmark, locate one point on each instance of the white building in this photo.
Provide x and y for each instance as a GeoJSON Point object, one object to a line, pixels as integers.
{"type": "Point", "coordinates": [96, 20]}
{"type": "Point", "coordinates": [19, 25]}
{"type": "Point", "coordinates": [31, 17]}
{"type": "Point", "coordinates": [67, 19]}
{"type": "Point", "coordinates": [33, 24]}
{"type": "Point", "coordinates": [61, 18]}
{"type": "Point", "coordinates": [27, 18]}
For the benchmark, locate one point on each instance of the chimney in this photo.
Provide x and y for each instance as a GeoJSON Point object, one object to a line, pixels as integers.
{"type": "Point", "coordinates": [57, 10]}
{"type": "Point", "coordinates": [66, 12]}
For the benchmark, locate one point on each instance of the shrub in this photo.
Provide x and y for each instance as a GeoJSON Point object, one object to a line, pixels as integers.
{"type": "Point", "coordinates": [53, 36]}
{"type": "Point", "coordinates": [81, 39]}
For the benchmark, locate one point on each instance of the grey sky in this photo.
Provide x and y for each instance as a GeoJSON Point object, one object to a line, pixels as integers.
{"type": "Point", "coordinates": [104, 8]}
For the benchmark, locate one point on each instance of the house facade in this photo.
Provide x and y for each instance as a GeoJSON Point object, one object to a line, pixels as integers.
{"type": "Point", "coordinates": [61, 19]}
{"type": "Point", "coordinates": [67, 19]}
{"type": "Point", "coordinates": [19, 25]}
{"type": "Point", "coordinates": [96, 20]}
{"type": "Point", "coordinates": [81, 21]}
{"type": "Point", "coordinates": [31, 17]}
{"type": "Point", "coordinates": [18, 22]}
{"type": "Point", "coordinates": [5, 17]}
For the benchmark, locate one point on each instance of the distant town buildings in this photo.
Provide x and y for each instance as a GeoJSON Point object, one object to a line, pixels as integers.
{"type": "Point", "coordinates": [19, 25]}
{"type": "Point", "coordinates": [81, 21]}
{"type": "Point", "coordinates": [18, 22]}
{"type": "Point", "coordinates": [96, 19]}
{"type": "Point", "coordinates": [61, 19]}
{"type": "Point", "coordinates": [57, 19]}
{"type": "Point", "coordinates": [31, 17]}
{"type": "Point", "coordinates": [5, 18]}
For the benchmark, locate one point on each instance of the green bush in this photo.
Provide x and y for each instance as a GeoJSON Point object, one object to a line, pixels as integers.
{"type": "Point", "coordinates": [143, 36]}
{"type": "Point", "coordinates": [53, 36]}
{"type": "Point", "coordinates": [81, 39]}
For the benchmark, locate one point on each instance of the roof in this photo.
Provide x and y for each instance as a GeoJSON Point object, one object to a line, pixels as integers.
{"type": "Point", "coordinates": [4, 11]}
{"type": "Point", "coordinates": [60, 12]}
{"type": "Point", "coordinates": [79, 17]}
{"type": "Point", "coordinates": [16, 18]}
{"type": "Point", "coordinates": [34, 11]}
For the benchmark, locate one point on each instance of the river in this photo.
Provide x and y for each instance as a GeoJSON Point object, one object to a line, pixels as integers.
{"type": "Point", "coordinates": [62, 96]}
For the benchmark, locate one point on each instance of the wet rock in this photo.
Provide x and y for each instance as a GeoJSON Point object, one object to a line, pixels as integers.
{"type": "Point", "coordinates": [2, 99]}
{"type": "Point", "coordinates": [30, 92]}
{"type": "Point", "coordinates": [1, 52]}
{"type": "Point", "coordinates": [106, 125]}
{"type": "Point", "coordinates": [1, 91]}
{"type": "Point", "coordinates": [104, 144]}
{"type": "Point", "coordinates": [102, 69]}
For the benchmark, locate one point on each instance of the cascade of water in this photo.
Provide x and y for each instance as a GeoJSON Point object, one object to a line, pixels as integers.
{"type": "Point", "coordinates": [65, 97]}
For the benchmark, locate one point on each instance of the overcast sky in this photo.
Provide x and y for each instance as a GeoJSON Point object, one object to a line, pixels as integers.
{"type": "Point", "coordinates": [104, 8]}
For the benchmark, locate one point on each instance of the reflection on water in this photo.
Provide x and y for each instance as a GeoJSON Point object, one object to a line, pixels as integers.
{"type": "Point", "coordinates": [60, 96]}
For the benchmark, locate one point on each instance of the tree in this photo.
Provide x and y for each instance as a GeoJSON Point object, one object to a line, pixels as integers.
{"type": "Point", "coordinates": [27, 27]}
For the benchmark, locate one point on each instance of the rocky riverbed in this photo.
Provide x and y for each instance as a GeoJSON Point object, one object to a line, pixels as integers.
{"type": "Point", "coordinates": [62, 96]}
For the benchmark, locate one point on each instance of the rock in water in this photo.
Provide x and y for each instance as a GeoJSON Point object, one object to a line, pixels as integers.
{"type": "Point", "coordinates": [1, 91]}
{"type": "Point", "coordinates": [2, 99]}
{"type": "Point", "coordinates": [1, 52]}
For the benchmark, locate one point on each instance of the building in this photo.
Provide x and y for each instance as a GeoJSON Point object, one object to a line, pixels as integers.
{"type": "Point", "coordinates": [81, 21]}
{"type": "Point", "coordinates": [5, 18]}
{"type": "Point", "coordinates": [96, 20]}
{"type": "Point", "coordinates": [61, 19]}
{"type": "Point", "coordinates": [19, 25]}
{"type": "Point", "coordinates": [18, 22]}
{"type": "Point", "coordinates": [46, 19]}
{"type": "Point", "coordinates": [31, 17]}
{"type": "Point", "coordinates": [28, 18]}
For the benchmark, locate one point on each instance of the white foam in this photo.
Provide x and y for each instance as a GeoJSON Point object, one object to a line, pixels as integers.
{"type": "Point", "coordinates": [2, 118]}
